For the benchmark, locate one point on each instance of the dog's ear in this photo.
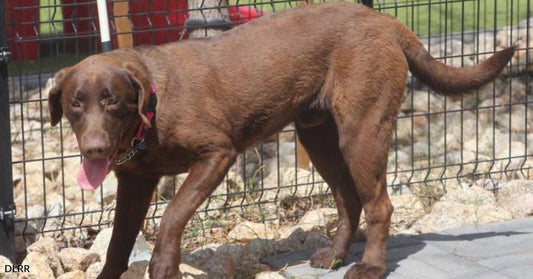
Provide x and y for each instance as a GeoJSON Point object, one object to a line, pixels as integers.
{"type": "Point", "coordinates": [140, 81]}
{"type": "Point", "coordinates": [54, 97]}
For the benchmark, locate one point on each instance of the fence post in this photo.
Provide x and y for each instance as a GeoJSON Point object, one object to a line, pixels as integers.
{"type": "Point", "coordinates": [7, 207]}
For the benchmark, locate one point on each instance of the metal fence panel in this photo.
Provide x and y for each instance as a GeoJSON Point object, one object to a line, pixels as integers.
{"type": "Point", "coordinates": [481, 138]}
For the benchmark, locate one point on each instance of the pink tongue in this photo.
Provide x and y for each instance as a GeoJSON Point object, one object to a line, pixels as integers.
{"type": "Point", "coordinates": [92, 173]}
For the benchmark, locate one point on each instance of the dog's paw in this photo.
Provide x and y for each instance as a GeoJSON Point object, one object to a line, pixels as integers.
{"type": "Point", "coordinates": [365, 271]}
{"type": "Point", "coordinates": [327, 258]}
{"type": "Point", "coordinates": [163, 267]}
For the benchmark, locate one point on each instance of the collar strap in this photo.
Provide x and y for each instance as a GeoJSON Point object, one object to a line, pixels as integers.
{"type": "Point", "coordinates": [138, 140]}
{"type": "Point", "coordinates": [138, 143]}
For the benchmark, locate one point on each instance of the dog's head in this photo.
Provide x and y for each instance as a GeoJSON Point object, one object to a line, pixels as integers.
{"type": "Point", "coordinates": [103, 98]}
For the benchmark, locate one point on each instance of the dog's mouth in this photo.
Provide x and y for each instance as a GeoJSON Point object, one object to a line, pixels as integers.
{"type": "Point", "coordinates": [93, 171]}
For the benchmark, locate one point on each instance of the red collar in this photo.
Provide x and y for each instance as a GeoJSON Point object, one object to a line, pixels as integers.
{"type": "Point", "coordinates": [138, 142]}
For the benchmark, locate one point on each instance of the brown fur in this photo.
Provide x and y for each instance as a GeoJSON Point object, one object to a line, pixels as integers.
{"type": "Point", "coordinates": [338, 70]}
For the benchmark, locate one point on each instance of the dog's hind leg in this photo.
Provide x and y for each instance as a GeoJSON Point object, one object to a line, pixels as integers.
{"type": "Point", "coordinates": [364, 140]}
{"type": "Point", "coordinates": [322, 144]}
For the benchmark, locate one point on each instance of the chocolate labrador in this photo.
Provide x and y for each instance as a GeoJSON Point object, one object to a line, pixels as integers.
{"type": "Point", "coordinates": [337, 70]}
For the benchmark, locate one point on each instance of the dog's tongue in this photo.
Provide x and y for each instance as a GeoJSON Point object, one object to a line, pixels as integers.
{"type": "Point", "coordinates": [92, 173]}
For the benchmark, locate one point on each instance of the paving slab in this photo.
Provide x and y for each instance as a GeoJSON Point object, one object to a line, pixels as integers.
{"type": "Point", "coordinates": [484, 275]}
{"type": "Point", "coordinates": [494, 251]}
{"type": "Point", "coordinates": [520, 272]}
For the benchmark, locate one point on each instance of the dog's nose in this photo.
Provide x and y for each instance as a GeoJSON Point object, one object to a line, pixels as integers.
{"type": "Point", "coordinates": [95, 149]}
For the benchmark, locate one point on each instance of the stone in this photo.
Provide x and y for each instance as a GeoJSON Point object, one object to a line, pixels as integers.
{"type": "Point", "coordinates": [6, 275]}
{"type": "Point", "coordinates": [101, 242]}
{"type": "Point", "coordinates": [269, 275]}
{"type": "Point", "coordinates": [258, 248]}
{"type": "Point", "coordinates": [294, 183]}
{"type": "Point", "coordinates": [316, 240]}
{"type": "Point", "coordinates": [205, 257]}
{"type": "Point", "coordinates": [518, 119]}
{"type": "Point", "coordinates": [410, 129]}
{"type": "Point", "coordinates": [76, 274]}
{"type": "Point", "coordinates": [249, 230]}
{"type": "Point", "coordinates": [25, 234]}
{"type": "Point", "coordinates": [290, 244]}
{"type": "Point", "coordinates": [460, 207]}
{"type": "Point", "coordinates": [109, 190]}
{"type": "Point", "coordinates": [139, 252]}
{"type": "Point", "coordinates": [519, 36]}
{"type": "Point", "coordinates": [323, 219]}
{"type": "Point", "coordinates": [517, 197]}
{"type": "Point", "coordinates": [71, 258]}
{"type": "Point", "coordinates": [407, 209]}
{"type": "Point", "coordinates": [422, 101]}
{"type": "Point", "coordinates": [16, 175]}
{"type": "Point", "coordinates": [39, 268]}
{"type": "Point", "coordinates": [36, 211]}
{"type": "Point", "coordinates": [451, 47]}
{"type": "Point", "coordinates": [189, 272]}
{"type": "Point", "coordinates": [48, 247]}
{"type": "Point", "coordinates": [221, 266]}
{"type": "Point", "coordinates": [137, 270]}
{"type": "Point", "coordinates": [89, 260]}
{"type": "Point", "coordinates": [236, 252]}
{"type": "Point", "coordinates": [294, 232]}
{"type": "Point", "coordinates": [94, 270]}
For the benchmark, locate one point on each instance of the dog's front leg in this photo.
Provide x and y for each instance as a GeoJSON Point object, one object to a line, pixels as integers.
{"type": "Point", "coordinates": [204, 175]}
{"type": "Point", "coordinates": [133, 198]}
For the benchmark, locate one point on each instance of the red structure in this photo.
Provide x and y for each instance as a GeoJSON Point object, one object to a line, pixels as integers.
{"type": "Point", "coordinates": [153, 22]}
{"type": "Point", "coordinates": [22, 28]}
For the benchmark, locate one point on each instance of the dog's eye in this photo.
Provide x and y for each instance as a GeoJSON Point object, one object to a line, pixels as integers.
{"type": "Point", "coordinates": [76, 104]}
{"type": "Point", "coordinates": [112, 100]}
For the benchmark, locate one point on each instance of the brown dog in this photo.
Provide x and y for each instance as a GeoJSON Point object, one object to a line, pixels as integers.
{"type": "Point", "coordinates": [337, 70]}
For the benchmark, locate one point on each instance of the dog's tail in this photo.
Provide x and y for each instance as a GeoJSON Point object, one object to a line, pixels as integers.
{"type": "Point", "coordinates": [445, 79]}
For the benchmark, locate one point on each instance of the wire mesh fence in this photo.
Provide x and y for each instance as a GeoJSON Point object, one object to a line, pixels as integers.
{"type": "Point", "coordinates": [478, 138]}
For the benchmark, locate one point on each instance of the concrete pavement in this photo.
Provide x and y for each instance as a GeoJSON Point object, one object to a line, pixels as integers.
{"type": "Point", "coordinates": [495, 251]}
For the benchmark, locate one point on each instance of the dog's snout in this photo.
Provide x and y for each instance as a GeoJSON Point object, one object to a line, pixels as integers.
{"type": "Point", "coordinates": [95, 148]}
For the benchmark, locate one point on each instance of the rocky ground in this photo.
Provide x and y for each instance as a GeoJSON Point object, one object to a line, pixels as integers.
{"type": "Point", "coordinates": [239, 254]}
{"type": "Point", "coordinates": [481, 138]}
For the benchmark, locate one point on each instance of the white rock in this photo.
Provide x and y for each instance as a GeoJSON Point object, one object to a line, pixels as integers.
{"type": "Point", "coordinates": [189, 272]}
{"type": "Point", "coordinates": [101, 242]}
{"type": "Point", "coordinates": [269, 275]}
{"type": "Point", "coordinates": [249, 230]}
{"type": "Point", "coordinates": [94, 270]}
{"type": "Point", "coordinates": [323, 219]}
{"type": "Point", "coordinates": [109, 190]}
{"type": "Point", "coordinates": [71, 258]}
{"type": "Point", "coordinates": [137, 270]}
{"type": "Point", "coordinates": [462, 207]}
{"type": "Point", "coordinates": [6, 275]}
{"type": "Point", "coordinates": [517, 197]}
{"type": "Point", "coordinates": [39, 268]}
{"type": "Point", "coordinates": [407, 209]}
{"type": "Point", "coordinates": [36, 211]}
{"type": "Point", "coordinates": [139, 252]}
{"type": "Point", "coordinates": [76, 274]}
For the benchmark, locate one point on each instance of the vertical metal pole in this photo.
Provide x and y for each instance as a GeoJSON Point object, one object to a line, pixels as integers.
{"type": "Point", "coordinates": [103, 21]}
{"type": "Point", "coordinates": [7, 207]}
